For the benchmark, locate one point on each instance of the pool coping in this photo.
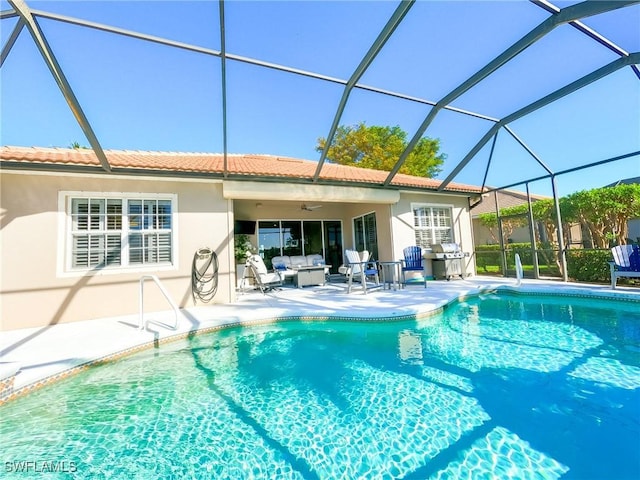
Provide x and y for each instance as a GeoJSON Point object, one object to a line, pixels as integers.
{"type": "Point", "coordinates": [13, 386]}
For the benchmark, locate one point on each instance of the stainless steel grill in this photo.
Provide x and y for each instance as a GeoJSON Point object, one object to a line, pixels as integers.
{"type": "Point", "coordinates": [447, 250]}
{"type": "Point", "coordinates": [447, 260]}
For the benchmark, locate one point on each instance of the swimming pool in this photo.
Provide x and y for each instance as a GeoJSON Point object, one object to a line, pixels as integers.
{"type": "Point", "coordinates": [495, 386]}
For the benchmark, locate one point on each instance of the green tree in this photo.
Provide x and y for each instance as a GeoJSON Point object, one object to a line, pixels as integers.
{"type": "Point", "coordinates": [380, 148]}
{"type": "Point", "coordinates": [490, 221]}
{"type": "Point", "coordinates": [605, 211]}
{"type": "Point", "coordinates": [518, 216]}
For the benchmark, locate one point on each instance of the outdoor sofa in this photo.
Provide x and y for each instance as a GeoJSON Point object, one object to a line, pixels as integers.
{"type": "Point", "coordinates": [286, 265]}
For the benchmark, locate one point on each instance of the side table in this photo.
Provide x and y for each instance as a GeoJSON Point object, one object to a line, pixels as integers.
{"type": "Point", "coordinates": [391, 272]}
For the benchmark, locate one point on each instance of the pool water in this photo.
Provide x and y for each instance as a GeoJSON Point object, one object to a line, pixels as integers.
{"type": "Point", "coordinates": [494, 387]}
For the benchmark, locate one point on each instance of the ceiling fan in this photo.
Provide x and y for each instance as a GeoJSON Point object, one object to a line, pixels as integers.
{"type": "Point", "coordinates": [309, 208]}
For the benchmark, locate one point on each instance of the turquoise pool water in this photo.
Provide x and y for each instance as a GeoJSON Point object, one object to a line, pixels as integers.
{"type": "Point", "coordinates": [494, 387]}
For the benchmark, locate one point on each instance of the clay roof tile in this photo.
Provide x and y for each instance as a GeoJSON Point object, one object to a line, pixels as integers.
{"type": "Point", "coordinates": [237, 164]}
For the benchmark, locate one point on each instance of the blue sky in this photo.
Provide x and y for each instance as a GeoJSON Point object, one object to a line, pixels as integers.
{"type": "Point", "coordinates": [143, 96]}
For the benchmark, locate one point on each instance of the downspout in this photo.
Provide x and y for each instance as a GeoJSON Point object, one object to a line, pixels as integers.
{"type": "Point", "coordinates": [231, 259]}
{"type": "Point", "coordinates": [472, 258]}
{"type": "Point", "coordinates": [393, 243]}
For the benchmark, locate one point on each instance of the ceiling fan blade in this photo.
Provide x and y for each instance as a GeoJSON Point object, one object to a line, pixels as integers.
{"type": "Point", "coordinates": [310, 208]}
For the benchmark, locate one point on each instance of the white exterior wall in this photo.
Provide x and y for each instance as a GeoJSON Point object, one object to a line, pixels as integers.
{"type": "Point", "coordinates": [402, 224]}
{"type": "Point", "coordinates": [35, 292]}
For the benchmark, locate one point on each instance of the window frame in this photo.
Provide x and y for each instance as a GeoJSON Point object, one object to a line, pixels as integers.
{"type": "Point", "coordinates": [361, 220]}
{"type": "Point", "coordinates": [66, 232]}
{"type": "Point", "coordinates": [303, 239]}
{"type": "Point", "coordinates": [433, 228]}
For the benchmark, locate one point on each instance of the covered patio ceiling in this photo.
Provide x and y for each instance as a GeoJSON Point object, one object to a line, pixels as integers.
{"type": "Point", "coordinates": [488, 103]}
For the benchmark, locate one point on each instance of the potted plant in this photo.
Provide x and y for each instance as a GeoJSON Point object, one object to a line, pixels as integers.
{"type": "Point", "coordinates": [242, 250]}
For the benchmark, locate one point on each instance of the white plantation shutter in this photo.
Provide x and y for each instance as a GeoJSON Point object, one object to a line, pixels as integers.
{"type": "Point", "coordinates": [114, 214]}
{"type": "Point", "coordinates": [96, 250]}
{"type": "Point", "coordinates": [432, 225]}
{"type": "Point", "coordinates": [80, 251]}
{"type": "Point", "coordinates": [103, 229]}
{"type": "Point", "coordinates": [442, 236]}
{"type": "Point", "coordinates": [151, 248]}
{"type": "Point", "coordinates": [164, 248]}
{"type": "Point", "coordinates": [423, 238]}
{"type": "Point", "coordinates": [114, 249]}
{"type": "Point", "coordinates": [365, 234]}
{"type": "Point", "coordinates": [135, 249]}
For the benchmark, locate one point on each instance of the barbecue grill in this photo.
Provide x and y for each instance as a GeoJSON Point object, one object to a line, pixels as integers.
{"type": "Point", "coordinates": [447, 260]}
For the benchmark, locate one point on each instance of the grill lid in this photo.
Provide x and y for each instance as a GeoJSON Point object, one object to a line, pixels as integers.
{"type": "Point", "coordinates": [445, 248]}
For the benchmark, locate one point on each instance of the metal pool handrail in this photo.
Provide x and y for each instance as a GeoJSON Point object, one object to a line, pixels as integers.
{"type": "Point", "coordinates": [519, 272]}
{"type": "Point", "coordinates": [141, 324]}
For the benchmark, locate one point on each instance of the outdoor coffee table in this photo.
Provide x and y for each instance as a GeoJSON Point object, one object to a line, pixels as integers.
{"type": "Point", "coordinates": [310, 275]}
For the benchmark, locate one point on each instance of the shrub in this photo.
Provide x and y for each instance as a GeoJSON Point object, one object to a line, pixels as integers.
{"type": "Point", "coordinates": [582, 265]}
{"type": "Point", "coordinates": [488, 255]}
{"type": "Point", "coordinates": [588, 265]}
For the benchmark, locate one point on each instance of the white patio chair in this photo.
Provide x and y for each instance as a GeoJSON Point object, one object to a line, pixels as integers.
{"type": "Point", "coordinates": [264, 279]}
{"type": "Point", "coordinates": [358, 265]}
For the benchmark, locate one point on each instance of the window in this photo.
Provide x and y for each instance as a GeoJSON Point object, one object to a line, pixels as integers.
{"type": "Point", "coordinates": [432, 225]}
{"type": "Point", "coordinates": [365, 234]}
{"type": "Point", "coordinates": [113, 232]}
{"type": "Point", "coordinates": [301, 237]}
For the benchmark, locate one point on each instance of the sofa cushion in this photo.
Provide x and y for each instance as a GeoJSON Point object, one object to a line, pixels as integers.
{"type": "Point", "coordinates": [281, 262]}
{"type": "Point", "coordinates": [286, 264]}
{"type": "Point", "coordinates": [315, 259]}
{"type": "Point", "coordinates": [298, 261]}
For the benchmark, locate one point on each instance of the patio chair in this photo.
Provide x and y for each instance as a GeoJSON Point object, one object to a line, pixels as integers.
{"type": "Point", "coordinates": [626, 262]}
{"type": "Point", "coordinates": [264, 279]}
{"type": "Point", "coordinates": [413, 262]}
{"type": "Point", "coordinates": [359, 265]}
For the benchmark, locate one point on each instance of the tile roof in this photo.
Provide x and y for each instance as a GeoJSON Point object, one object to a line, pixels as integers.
{"type": "Point", "coordinates": [625, 181]}
{"type": "Point", "coordinates": [506, 199]}
{"type": "Point", "coordinates": [201, 163]}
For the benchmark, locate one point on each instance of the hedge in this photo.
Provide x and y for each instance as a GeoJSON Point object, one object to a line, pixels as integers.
{"type": "Point", "coordinates": [589, 265]}
{"type": "Point", "coordinates": [487, 255]}
{"type": "Point", "coordinates": [582, 265]}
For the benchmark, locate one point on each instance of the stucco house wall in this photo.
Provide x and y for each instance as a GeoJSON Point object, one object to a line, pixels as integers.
{"type": "Point", "coordinates": [38, 289]}
{"type": "Point", "coordinates": [35, 289]}
{"type": "Point", "coordinates": [403, 231]}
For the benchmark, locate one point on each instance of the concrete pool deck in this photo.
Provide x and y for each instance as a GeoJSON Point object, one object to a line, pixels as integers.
{"type": "Point", "coordinates": [33, 357]}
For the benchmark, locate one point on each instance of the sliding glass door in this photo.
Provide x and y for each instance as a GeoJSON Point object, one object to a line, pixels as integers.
{"type": "Point", "coordinates": [313, 241]}
{"type": "Point", "coordinates": [291, 238]}
{"type": "Point", "coordinates": [301, 237]}
{"type": "Point", "coordinates": [269, 240]}
{"type": "Point", "coordinates": [333, 244]}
